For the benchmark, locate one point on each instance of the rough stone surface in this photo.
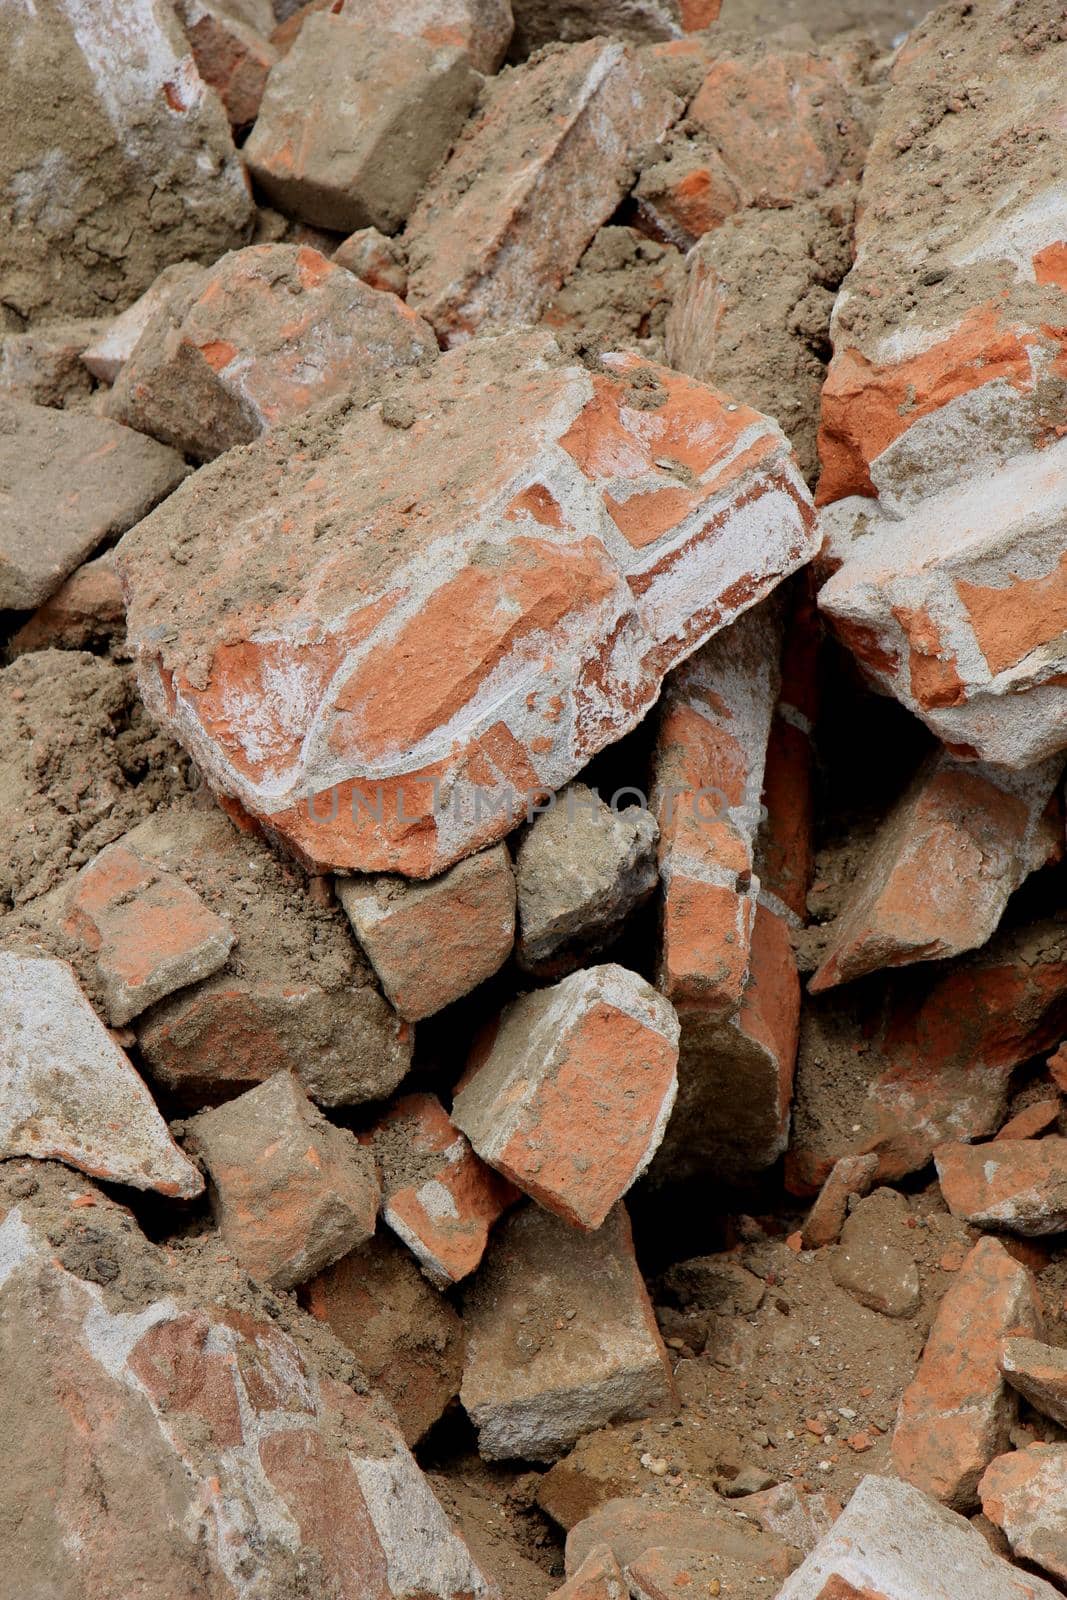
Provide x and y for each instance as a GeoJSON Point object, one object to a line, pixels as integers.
{"type": "Point", "coordinates": [508, 606]}
{"type": "Point", "coordinates": [295, 994]}
{"type": "Point", "coordinates": [852, 1175]}
{"type": "Point", "coordinates": [894, 1543]}
{"type": "Point", "coordinates": [405, 1336]}
{"type": "Point", "coordinates": [231, 56]}
{"type": "Point", "coordinates": [537, 1377]}
{"type": "Point", "coordinates": [255, 341]}
{"type": "Point", "coordinates": [480, 27]}
{"type": "Point", "coordinates": [645, 1539]}
{"type": "Point", "coordinates": [146, 931]}
{"type": "Point", "coordinates": [871, 1263]}
{"type": "Point", "coordinates": [797, 1518]}
{"type": "Point", "coordinates": [43, 366]}
{"type": "Point", "coordinates": [68, 1093]}
{"type": "Point", "coordinates": [569, 1092]}
{"type": "Point", "coordinates": [430, 943]}
{"type": "Point", "coordinates": [86, 612]}
{"type": "Point", "coordinates": [436, 1194]}
{"type": "Point", "coordinates": [956, 1413]}
{"type": "Point", "coordinates": [544, 163]}
{"type": "Point", "coordinates": [130, 168]}
{"type": "Point", "coordinates": [942, 867]}
{"type": "Point", "coordinates": [106, 356]}
{"type": "Point", "coordinates": [1018, 1184]}
{"type": "Point", "coordinates": [353, 122]}
{"type": "Point", "coordinates": [1039, 1373]}
{"type": "Point", "coordinates": [291, 1193]}
{"type": "Point", "coordinates": [204, 1454]}
{"type": "Point", "coordinates": [1025, 1493]}
{"type": "Point", "coordinates": [70, 482]}
{"type": "Point", "coordinates": [580, 870]}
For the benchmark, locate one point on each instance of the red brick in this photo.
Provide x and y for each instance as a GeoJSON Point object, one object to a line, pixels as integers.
{"type": "Point", "coordinates": [493, 679]}
{"type": "Point", "coordinates": [379, 261]}
{"type": "Point", "coordinates": [432, 942]}
{"type": "Point", "coordinates": [480, 27]}
{"type": "Point", "coordinates": [568, 1094]}
{"type": "Point", "coordinates": [956, 1413]}
{"type": "Point", "coordinates": [1038, 1117]}
{"type": "Point", "coordinates": [87, 611]}
{"type": "Point", "coordinates": [1018, 1184]}
{"type": "Point", "coordinates": [506, 220]}
{"type": "Point", "coordinates": [106, 356]}
{"type": "Point", "coordinates": [598, 1578]}
{"type": "Point", "coordinates": [1025, 1493]}
{"type": "Point", "coordinates": [290, 1192]}
{"type": "Point", "coordinates": [852, 1175]}
{"type": "Point", "coordinates": [255, 341]}
{"type": "Point", "coordinates": [1039, 1373]}
{"type": "Point", "coordinates": [437, 1195]}
{"type": "Point", "coordinates": [656, 1544]}
{"type": "Point", "coordinates": [939, 872]}
{"type": "Point", "coordinates": [540, 22]}
{"type": "Point", "coordinates": [230, 55]}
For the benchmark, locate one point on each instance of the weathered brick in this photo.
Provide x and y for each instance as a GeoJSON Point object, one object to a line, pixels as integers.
{"type": "Point", "coordinates": [436, 1194]}
{"type": "Point", "coordinates": [598, 1578]}
{"type": "Point", "coordinates": [1038, 1117]}
{"type": "Point", "coordinates": [432, 694]}
{"type": "Point", "coordinates": [655, 1545]}
{"type": "Point", "coordinates": [852, 1175]}
{"type": "Point", "coordinates": [354, 120]}
{"type": "Point", "coordinates": [291, 1193]}
{"type": "Point", "coordinates": [376, 259]}
{"type": "Point", "coordinates": [538, 1377]}
{"type": "Point", "coordinates": [569, 1092]}
{"type": "Point", "coordinates": [230, 55]}
{"type": "Point", "coordinates": [1018, 1184]}
{"type": "Point", "coordinates": [108, 353]}
{"type": "Point", "coordinates": [480, 27]}
{"type": "Point", "coordinates": [544, 163]}
{"type": "Point", "coordinates": [1025, 1493]}
{"type": "Point", "coordinates": [86, 612]}
{"type": "Point", "coordinates": [432, 942]}
{"type": "Point", "coordinates": [539, 22]}
{"type": "Point", "coordinates": [44, 365]}
{"type": "Point", "coordinates": [405, 1336]}
{"type": "Point", "coordinates": [68, 1093]}
{"type": "Point", "coordinates": [957, 1412]}
{"type": "Point", "coordinates": [1039, 1373]}
{"type": "Point", "coordinates": [73, 481]}
{"type": "Point", "coordinates": [894, 1543]}
{"type": "Point", "coordinates": [256, 340]}
{"type": "Point", "coordinates": [939, 872]}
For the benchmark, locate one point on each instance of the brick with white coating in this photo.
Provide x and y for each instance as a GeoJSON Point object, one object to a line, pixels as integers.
{"type": "Point", "coordinates": [569, 1092]}
{"type": "Point", "coordinates": [1016, 1184]}
{"type": "Point", "coordinates": [486, 577]}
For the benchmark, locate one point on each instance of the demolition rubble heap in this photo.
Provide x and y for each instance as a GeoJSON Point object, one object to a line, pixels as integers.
{"type": "Point", "coordinates": [533, 960]}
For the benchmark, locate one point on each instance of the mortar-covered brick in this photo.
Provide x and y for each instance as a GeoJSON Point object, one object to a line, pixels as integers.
{"type": "Point", "coordinates": [942, 867]}
{"type": "Point", "coordinates": [376, 259]}
{"type": "Point", "coordinates": [86, 612]}
{"type": "Point", "coordinates": [256, 340]}
{"type": "Point", "coordinates": [544, 163]}
{"type": "Point", "coordinates": [437, 1196]}
{"type": "Point", "coordinates": [354, 120]}
{"type": "Point", "coordinates": [482, 28]}
{"type": "Point", "coordinates": [956, 1413]}
{"type": "Point", "coordinates": [561, 1338]}
{"type": "Point", "coordinates": [1025, 1494]}
{"type": "Point", "coordinates": [657, 1544]}
{"type": "Point", "coordinates": [430, 943]}
{"type": "Point", "coordinates": [68, 1093]}
{"type": "Point", "coordinates": [291, 1193]}
{"type": "Point", "coordinates": [384, 631]}
{"type": "Point", "coordinates": [230, 55]}
{"type": "Point", "coordinates": [598, 1578]}
{"type": "Point", "coordinates": [1017, 1184]}
{"type": "Point", "coordinates": [43, 365]}
{"type": "Point", "coordinates": [569, 1092]}
{"type": "Point", "coordinates": [1039, 1373]}
{"type": "Point", "coordinates": [540, 22]}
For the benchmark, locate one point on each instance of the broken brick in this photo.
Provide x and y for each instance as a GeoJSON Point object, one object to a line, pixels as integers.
{"type": "Point", "coordinates": [506, 666]}
{"type": "Point", "coordinates": [539, 22]}
{"type": "Point", "coordinates": [43, 366]}
{"type": "Point", "coordinates": [1038, 1117]}
{"type": "Point", "coordinates": [569, 1092]}
{"type": "Point", "coordinates": [234, 58]}
{"type": "Point", "coordinates": [354, 120]}
{"type": "Point", "coordinates": [290, 1192]}
{"type": "Point", "coordinates": [86, 612]}
{"type": "Point", "coordinates": [1025, 1493]}
{"type": "Point", "coordinates": [106, 356]}
{"type": "Point", "coordinates": [852, 1175]}
{"type": "Point", "coordinates": [1018, 1184]}
{"type": "Point", "coordinates": [437, 1196]}
{"type": "Point", "coordinates": [561, 1337]}
{"type": "Point", "coordinates": [482, 28]}
{"type": "Point", "coordinates": [376, 259]}
{"type": "Point", "coordinates": [537, 171]}
{"type": "Point", "coordinates": [956, 1413]}
{"type": "Point", "coordinates": [1039, 1373]}
{"type": "Point", "coordinates": [656, 1545]}
{"type": "Point", "coordinates": [598, 1578]}
{"type": "Point", "coordinates": [432, 942]}
{"type": "Point", "coordinates": [256, 340]}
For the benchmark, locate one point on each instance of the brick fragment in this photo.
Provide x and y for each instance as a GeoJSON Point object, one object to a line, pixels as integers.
{"type": "Point", "coordinates": [482, 28]}
{"type": "Point", "coordinates": [598, 1578]}
{"type": "Point", "coordinates": [68, 1093]}
{"type": "Point", "coordinates": [539, 22]}
{"type": "Point", "coordinates": [654, 1545]}
{"type": "Point", "coordinates": [793, 1515]}
{"type": "Point", "coordinates": [86, 612]}
{"type": "Point", "coordinates": [942, 867]}
{"type": "Point", "coordinates": [43, 365]}
{"type": "Point", "coordinates": [376, 259]}
{"type": "Point", "coordinates": [569, 1092]}
{"type": "Point", "coordinates": [147, 932]}
{"type": "Point", "coordinates": [1025, 1493]}
{"type": "Point", "coordinates": [542, 165]}
{"type": "Point", "coordinates": [432, 942]}
{"type": "Point", "coordinates": [106, 356]}
{"type": "Point", "coordinates": [956, 1413]}
{"type": "Point", "coordinates": [73, 481]}
{"type": "Point", "coordinates": [1039, 1373]}
{"type": "Point", "coordinates": [571, 568]}
{"type": "Point", "coordinates": [255, 341]}
{"type": "Point", "coordinates": [874, 1263]}
{"type": "Point", "coordinates": [290, 1192]}
{"type": "Point", "coordinates": [894, 1543]}
{"type": "Point", "coordinates": [353, 122]}
{"type": "Point", "coordinates": [164, 181]}
{"type": "Point", "coordinates": [406, 1337]}
{"type": "Point", "coordinates": [437, 1196]}
{"type": "Point", "coordinates": [537, 1377]}
{"type": "Point", "coordinates": [1018, 1184]}
{"type": "Point", "coordinates": [580, 870]}
{"type": "Point", "coordinates": [296, 995]}
{"type": "Point", "coordinates": [852, 1175]}
{"type": "Point", "coordinates": [207, 1447]}
{"type": "Point", "coordinates": [230, 55]}
{"type": "Point", "coordinates": [1038, 1117]}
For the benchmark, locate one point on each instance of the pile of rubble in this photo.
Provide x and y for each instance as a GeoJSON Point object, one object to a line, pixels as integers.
{"type": "Point", "coordinates": [533, 972]}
